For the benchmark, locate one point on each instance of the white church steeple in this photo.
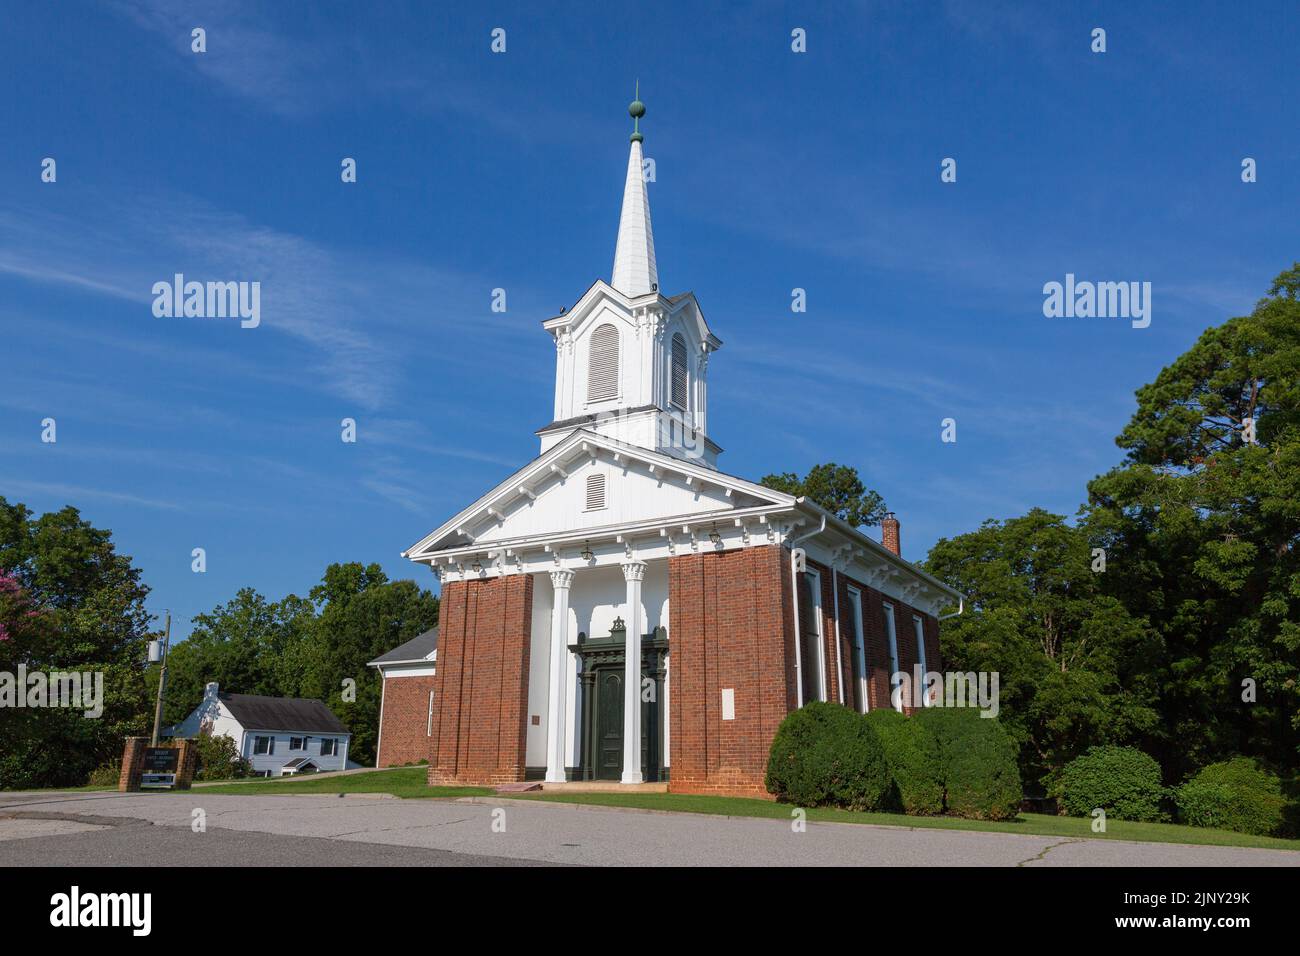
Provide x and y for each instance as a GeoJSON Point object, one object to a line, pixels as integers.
{"type": "Point", "coordinates": [634, 255]}
{"type": "Point", "coordinates": [630, 362]}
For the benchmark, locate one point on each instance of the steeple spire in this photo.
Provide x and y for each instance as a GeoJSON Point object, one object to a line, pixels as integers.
{"type": "Point", "coordinates": [634, 256]}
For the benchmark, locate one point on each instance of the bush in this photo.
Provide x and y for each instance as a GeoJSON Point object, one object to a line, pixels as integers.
{"type": "Point", "coordinates": [912, 754]}
{"type": "Point", "coordinates": [219, 759]}
{"type": "Point", "coordinates": [977, 762]}
{"type": "Point", "coordinates": [106, 776]}
{"type": "Point", "coordinates": [1236, 794]}
{"type": "Point", "coordinates": [1123, 781]}
{"type": "Point", "coordinates": [827, 755]}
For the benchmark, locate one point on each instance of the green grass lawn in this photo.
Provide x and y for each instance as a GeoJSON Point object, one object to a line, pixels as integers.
{"type": "Point", "coordinates": [406, 782]}
{"type": "Point", "coordinates": [1031, 823]}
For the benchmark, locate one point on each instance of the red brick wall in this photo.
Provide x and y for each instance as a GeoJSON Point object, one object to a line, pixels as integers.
{"type": "Point", "coordinates": [481, 686]}
{"type": "Point", "coordinates": [403, 731]}
{"type": "Point", "coordinates": [132, 763]}
{"type": "Point", "coordinates": [187, 762]}
{"type": "Point", "coordinates": [731, 625]}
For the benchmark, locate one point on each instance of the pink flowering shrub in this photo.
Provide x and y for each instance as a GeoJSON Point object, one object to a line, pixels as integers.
{"type": "Point", "coordinates": [14, 605]}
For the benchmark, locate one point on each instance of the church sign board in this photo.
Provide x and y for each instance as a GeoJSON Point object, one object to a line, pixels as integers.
{"type": "Point", "coordinates": [157, 768]}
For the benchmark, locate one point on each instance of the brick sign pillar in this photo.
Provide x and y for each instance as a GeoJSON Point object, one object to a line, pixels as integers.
{"type": "Point", "coordinates": [186, 763]}
{"type": "Point", "coordinates": [134, 763]}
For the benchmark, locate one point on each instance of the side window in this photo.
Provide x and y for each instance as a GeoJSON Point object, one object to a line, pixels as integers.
{"type": "Point", "coordinates": [918, 626]}
{"type": "Point", "coordinates": [811, 667]}
{"type": "Point", "coordinates": [895, 678]}
{"type": "Point", "coordinates": [861, 699]}
{"type": "Point", "coordinates": [263, 746]}
{"type": "Point", "coordinates": [328, 747]}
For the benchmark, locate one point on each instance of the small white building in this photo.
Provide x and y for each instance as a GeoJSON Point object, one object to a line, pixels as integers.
{"type": "Point", "coordinates": [279, 736]}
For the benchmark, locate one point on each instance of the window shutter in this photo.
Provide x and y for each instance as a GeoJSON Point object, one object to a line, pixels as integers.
{"type": "Point", "coordinates": [602, 365]}
{"type": "Point", "coordinates": [679, 372]}
{"type": "Point", "coordinates": [595, 492]}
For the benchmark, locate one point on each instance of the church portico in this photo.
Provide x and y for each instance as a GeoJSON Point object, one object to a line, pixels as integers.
{"type": "Point", "coordinates": [621, 611]}
{"type": "Point", "coordinates": [587, 605]}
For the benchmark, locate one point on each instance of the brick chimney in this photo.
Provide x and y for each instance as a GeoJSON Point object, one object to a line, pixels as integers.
{"type": "Point", "coordinates": [889, 534]}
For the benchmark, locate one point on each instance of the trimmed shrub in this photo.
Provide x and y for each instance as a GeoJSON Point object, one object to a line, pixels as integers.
{"type": "Point", "coordinates": [825, 755]}
{"type": "Point", "coordinates": [912, 753]}
{"type": "Point", "coordinates": [1123, 781]}
{"type": "Point", "coordinates": [977, 760]}
{"type": "Point", "coordinates": [1237, 794]}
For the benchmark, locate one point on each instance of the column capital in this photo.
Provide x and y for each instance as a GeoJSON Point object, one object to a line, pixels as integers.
{"type": "Point", "coordinates": [561, 578]}
{"type": "Point", "coordinates": [633, 570]}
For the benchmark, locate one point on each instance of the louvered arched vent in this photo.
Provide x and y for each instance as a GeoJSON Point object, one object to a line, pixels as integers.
{"type": "Point", "coordinates": [602, 367]}
{"type": "Point", "coordinates": [678, 397]}
{"type": "Point", "coordinates": [595, 492]}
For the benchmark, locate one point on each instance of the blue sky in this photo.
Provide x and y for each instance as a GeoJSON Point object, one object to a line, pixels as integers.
{"type": "Point", "coordinates": [774, 170]}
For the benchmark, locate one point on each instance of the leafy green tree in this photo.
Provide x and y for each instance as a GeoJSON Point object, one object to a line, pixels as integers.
{"type": "Point", "coordinates": [1201, 526]}
{"type": "Point", "coordinates": [248, 646]}
{"type": "Point", "coordinates": [838, 489]}
{"type": "Point", "coordinates": [361, 615]}
{"type": "Point", "coordinates": [70, 602]}
{"type": "Point", "coordinates": [316, 647]}
{"type": "Point", "coordinates": [1074, 666]}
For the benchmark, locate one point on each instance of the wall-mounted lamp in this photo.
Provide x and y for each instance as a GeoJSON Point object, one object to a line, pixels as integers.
{"type": "Point", "coordinates": [587, 554]}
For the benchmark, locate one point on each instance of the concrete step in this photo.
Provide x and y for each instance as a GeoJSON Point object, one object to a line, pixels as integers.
{"type": "Point", "coordinates": [604, 786]}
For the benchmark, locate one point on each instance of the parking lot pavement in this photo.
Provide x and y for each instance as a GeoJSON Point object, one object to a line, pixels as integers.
{"type": "Point", "coordinates": [307, 830]}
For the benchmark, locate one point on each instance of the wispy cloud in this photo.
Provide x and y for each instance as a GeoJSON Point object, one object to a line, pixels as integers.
{"type": "Point", "coordinates": [20, 486]}
{"type": "Point", "coordinates": [350, 306]}
{"type": "Point", "coordinates": [244, 54]}
{"type": "Point", "coordinates": [298, 66]}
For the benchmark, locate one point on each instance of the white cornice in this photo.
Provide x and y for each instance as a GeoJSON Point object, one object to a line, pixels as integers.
{"type": "Point", "coordinates": [601, 291]}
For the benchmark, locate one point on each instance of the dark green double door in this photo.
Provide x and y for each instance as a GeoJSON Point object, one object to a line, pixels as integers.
{"type": "Point", "coordinates": [607, 728]}
{"type": "Point", "coordinates": [603, 671]}
{"type": "Point", "coordinates": [609, 725]}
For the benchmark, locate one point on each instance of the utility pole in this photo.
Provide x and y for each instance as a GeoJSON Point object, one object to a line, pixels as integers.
{"type": "Point", "coordinates": [162, 680]}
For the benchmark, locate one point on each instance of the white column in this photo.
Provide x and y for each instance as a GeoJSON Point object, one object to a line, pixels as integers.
{"type": "Point", "coordinates": [633, 574]}
{"type": "Point", "coordinates": [555, 712]}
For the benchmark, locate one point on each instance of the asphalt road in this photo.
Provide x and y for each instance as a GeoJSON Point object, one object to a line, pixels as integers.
{"type": "Point", "coordinates": [97, 829]}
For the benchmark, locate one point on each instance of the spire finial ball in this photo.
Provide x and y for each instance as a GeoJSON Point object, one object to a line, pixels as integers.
{"type": "Point", "coordinates": [636, 109]}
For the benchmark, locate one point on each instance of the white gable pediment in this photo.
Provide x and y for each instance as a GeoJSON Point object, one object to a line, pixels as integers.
{"type": "Point", "coordinates": [628, 486]}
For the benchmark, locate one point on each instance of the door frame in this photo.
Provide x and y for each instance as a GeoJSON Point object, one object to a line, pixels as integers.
{"type": "Point", "coordinates": [596, 655]}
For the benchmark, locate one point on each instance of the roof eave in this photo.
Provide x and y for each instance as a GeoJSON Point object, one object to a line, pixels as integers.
{"type": "Point", "coordinates": [843, 527]}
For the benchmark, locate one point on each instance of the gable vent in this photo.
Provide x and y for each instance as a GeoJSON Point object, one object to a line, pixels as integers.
{"type": "Point", "coordinates": [595, 492]}
{"type": "Point", "coordinates": [678, 396]}
{"type": "Point", "coordinates": [602, 365]}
